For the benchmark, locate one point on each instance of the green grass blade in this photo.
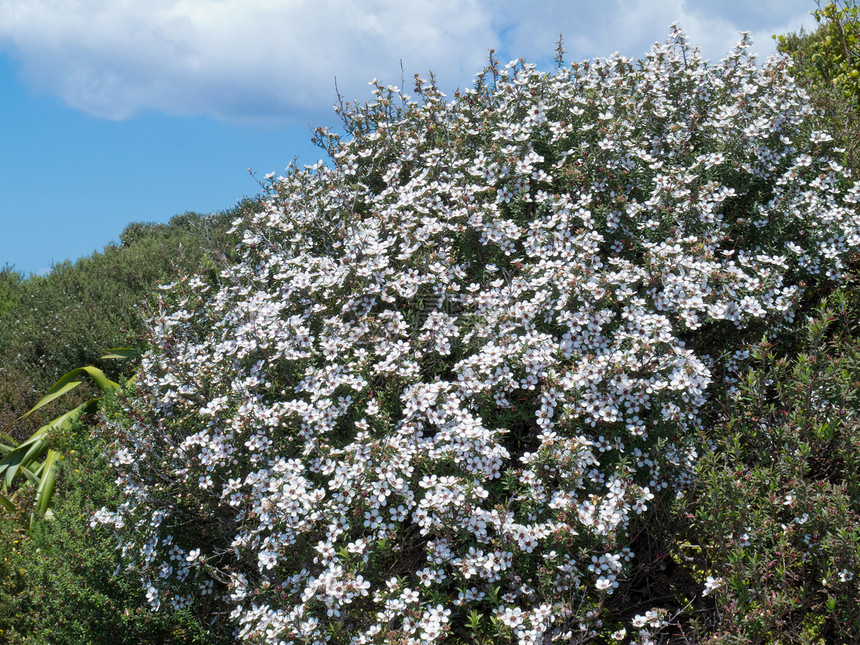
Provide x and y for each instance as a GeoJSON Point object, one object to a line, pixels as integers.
{"type": "Point", "coordinates": [36, 436]}
{"type": "Point", "coordinates": [104, 383]}
{"type": "Point", "coordinates": [67, 418]}
{"type": "Point", "coordinates": [20, 458]}
{"type": "Point", "coordinates": [32, 476]}
{"type": "Point", "coordinates": [10, 464]}
{"type": "Point", "coordinates": [34, 447]}
{"type": "Point", "coordinates": [67, 382]}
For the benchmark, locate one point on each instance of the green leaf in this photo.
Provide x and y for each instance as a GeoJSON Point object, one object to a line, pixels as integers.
{"type": "Point", "coordinates": [104, 383]}
{"type": "Point", "coordinates": [45, 491]}
{"type": "Point", "coordinates": [121, 352]}
{"type": "Point", "coordinates": [7, 503]}
{"type": "Point", "coordinates": [59, 389]}
{"type": "Point", "coordinates": [32, 476]}
{"type": "Point", "coordinates": [66, 383]}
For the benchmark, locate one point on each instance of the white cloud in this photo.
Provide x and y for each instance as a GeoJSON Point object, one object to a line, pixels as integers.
{"type": "Point", "coordinates": [276, 60]}
{"type": "Point", "coordinates": [631, 26]}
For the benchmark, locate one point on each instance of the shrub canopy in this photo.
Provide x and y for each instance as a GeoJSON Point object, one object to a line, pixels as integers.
{"type": "Point", "coordinates": [450, 370]}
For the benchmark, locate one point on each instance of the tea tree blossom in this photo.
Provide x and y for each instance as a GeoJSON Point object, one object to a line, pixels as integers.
{"type": "Point", "coordinates": [451, 368]}
{"type": "Point", "coordinates": [711, 584]}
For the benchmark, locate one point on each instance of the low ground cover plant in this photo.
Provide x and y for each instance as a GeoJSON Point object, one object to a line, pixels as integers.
{"type": "Point", "coordinates": [456, 372]}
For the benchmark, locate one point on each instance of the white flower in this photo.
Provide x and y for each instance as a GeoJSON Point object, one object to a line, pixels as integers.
{"type": "Point", "coordinates": [268, 559]}
{"type": "Point", "coordinates": [121, 457]}
{"type": "Point", "coordinates": [604, 583]}
{"type": "Point", "coordinates": [711, 583]}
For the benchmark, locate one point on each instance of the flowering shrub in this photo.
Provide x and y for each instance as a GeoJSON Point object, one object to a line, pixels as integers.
{"type": "Point", "coordinates": [450, 370]}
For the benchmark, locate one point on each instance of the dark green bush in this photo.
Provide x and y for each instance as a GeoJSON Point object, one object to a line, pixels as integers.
{"type": "Point", "coordinates": [10, 290]}
{"type": "Point", "coordinates": [774, 519]}
{"type": "Point", "coordinates": [65, 318]}
{"type": "Point", "coordinates": [827, 65]}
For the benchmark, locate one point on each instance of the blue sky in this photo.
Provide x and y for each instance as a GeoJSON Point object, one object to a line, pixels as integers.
{"type": "Point", "coordinates": [119, 111]}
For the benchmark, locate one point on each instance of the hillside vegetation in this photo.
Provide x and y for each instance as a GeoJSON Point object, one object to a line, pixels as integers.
{"type": "Point", "coordinates": [54, 323]}
{"type": "Point", "coordinates": [570, 356]}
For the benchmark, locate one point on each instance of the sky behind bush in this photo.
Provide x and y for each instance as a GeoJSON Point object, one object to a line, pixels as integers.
{"type": "Point", "coordinates": [115, 111]}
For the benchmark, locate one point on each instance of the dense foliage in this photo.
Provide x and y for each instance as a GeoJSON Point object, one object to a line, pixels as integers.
{"type": "Point", "coordinates": [775, 512]}
{"type": "Point", "coordinates": [456, 377]}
